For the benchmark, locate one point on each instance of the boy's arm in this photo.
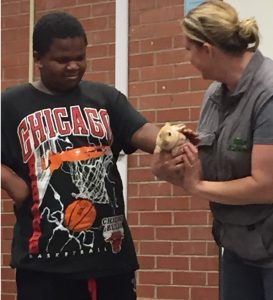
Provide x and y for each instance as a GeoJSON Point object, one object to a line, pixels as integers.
{"type": "Point", "coordinates": [14, 185]}
{"type": "Point", "coordinates": [144, 138]}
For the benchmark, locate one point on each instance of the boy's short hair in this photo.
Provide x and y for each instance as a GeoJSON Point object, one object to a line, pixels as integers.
{"type": "Point", "coordinates": [55, 25]}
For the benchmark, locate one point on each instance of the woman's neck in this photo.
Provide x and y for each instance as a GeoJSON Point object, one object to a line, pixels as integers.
{"type": "Point", "coordinates": [234, 68]}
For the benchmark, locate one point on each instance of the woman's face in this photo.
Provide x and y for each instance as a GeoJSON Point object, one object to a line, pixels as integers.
{"type": "Point", "coordinates": [63, 66]}
{"type": "Point", "coordinates": [201, 58]}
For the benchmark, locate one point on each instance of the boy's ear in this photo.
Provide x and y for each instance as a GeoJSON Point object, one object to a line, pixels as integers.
{"type": "Point", "coordinates": [36, 58]}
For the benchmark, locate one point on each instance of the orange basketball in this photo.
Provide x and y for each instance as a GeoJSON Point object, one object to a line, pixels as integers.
{"type": "Point", "coordinates": [80, 215]}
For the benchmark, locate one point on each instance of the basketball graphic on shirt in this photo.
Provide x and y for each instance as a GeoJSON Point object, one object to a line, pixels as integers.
{"type": "Point", "coordinates": [80, 215]}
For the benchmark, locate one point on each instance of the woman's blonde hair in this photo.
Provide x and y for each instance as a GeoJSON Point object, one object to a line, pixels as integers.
{"type": "Point", "coordinates": [218, 23]}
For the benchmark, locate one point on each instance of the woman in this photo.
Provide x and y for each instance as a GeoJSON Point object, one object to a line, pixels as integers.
{"type": "Point", "coordinates": [232, 165]}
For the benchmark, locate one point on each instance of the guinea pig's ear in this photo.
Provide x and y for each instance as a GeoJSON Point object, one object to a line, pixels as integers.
{"type": "Point", "coordinates": [180, 126]}
{"type": "Point", "coordinates": [167, 124]}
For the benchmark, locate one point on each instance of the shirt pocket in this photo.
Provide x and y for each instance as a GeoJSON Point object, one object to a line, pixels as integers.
{"type": "Point", "coordinates": [206, 139]}
{"type": "Point", "coordinates": [207, 153]}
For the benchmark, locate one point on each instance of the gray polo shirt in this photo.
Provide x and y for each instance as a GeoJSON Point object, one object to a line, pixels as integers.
{"type": "Point", "coordinates": [229, 126]}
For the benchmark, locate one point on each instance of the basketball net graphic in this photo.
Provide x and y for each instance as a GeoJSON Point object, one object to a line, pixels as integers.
{"type": "Point", "coordinates": [87, 166]}
{"type": "Point", "coordinates": [89, 177]}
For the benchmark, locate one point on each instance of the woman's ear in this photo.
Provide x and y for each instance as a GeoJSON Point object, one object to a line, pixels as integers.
{"type": "Point", "coordinates": [37, 59]}
{"type": "Point", "coordinates": [208, 48]}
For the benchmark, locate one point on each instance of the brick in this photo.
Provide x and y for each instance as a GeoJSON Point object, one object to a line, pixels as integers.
{"type": "Point", "coordinates": [9, 22]}
{"type": "Point", "coordinates": [189, 248]}
{"type": "Point", "coordinates": [200, 232]}
{"type": "Point", "coordinates": [56, 4]}
{"type": "Point", "coordinates": [103, 64]}
{"type": "Point", "coordinates": [95, 24]}
{"type": "Point", "coordinates": [174, 233]}
{"type": "Point", "coordinates": [134, 75]}
{"type": "Point", "coordinates": [24, 6]}
{"type": "Point", "coordinates": [102, 76]}
{"type": "Point", "coordinates": [79, 2]}
{"type": "Point", "coordinates": [172, 262]}
{"type": "Point", "coordinates": [8, 286]}
{"type": "Point", "coordinates": [154, 248]}
{"type": "Point", "coordinates": [155, 44]}
{"type": "Point", "coordinates": [162, 14]}
{"type": "Point", "coordinates": [7, 273]}
{"type": "Point", "coordinates": [141, 60]}
{"type": "Point", "coordinates": [171, 57]}
{"type": "Point", "coordinates": [101, 37]}
{"type": "Point", "coordinates": [166, 3]}
{"type": "Point", "coordinates": [143, 233]}
{"type": "Point", "coordinates": [185, 69]}
{"type": "Point", "coordinates": [8, 296]}
{"type": "Point", "coordinates": [142, 88]}
{"type": "Point", "coordinates": [8, 219]}
{"type": "Point", "coordinates": [189, 278]}
{"type": "Point", "coordinates": [142, 5]}
{"type": "Point", "coordinates": [133, 189]}
{"type": "Point", "coordinates": [96, 51]}
{"type": "Point", "coordinates": [6, 246]}
{"type": "Point", "coordinates": [80, 11]}
{"type": "Point", "coordinates": [212, 248]}
{"type": "Point", "coordinates": [103, 9]}
{"type": "Point", "coordinates": [140, 175]}
{"type": "Point", "coordinates": [5, 258]}
{"type": "Point", "coordinates": [10, 8]}
{"type": "Point", "coordinates": [213, 278]}
{"type": "Point", "coordinates": [150, 116]}
{"type": "Point", "coordinates": [158, 101]}
{"type": "Point", "coordinates": [7, 233]}
{"type": "Point", "coordinates": [173, 203]}
{"type": "Point", "coordinates": [172, 86]}
{"type": "Point", "coordinates": [4, 194]}
{"type": "Point", "coordinates": [173, 115]}
{"type": "Point", "coordinates": [145, 160]}
{"type": "Point", "coordinates": [156, 72]}
{"type": "Point", "coordinates": [187, 99]}
{"type": "Point", "coordinates": [141, 204]}
{"type": "Point", "coordinates": [204, 293]}
{"type": "Point", "coordinates": [208, 263]}
{"type": "Point", "coordinates": [156, 277]}
{"type": "Point", "coordinates": [158, 30]}
{"type": "Point", "coordinates": [191, 218]}
{"type": "Point", "coordinates": [7, 206]}
{"type": "Point", "coordinates": [198, 84]}
{"type": "Point", "coordinates": [133, 218]}
{"type": "Point", "coordinates": [156, 218]}
{"type": "Point", "coordinates": [147, 262]}
{"type": "Point", "coordinates": [134, 47]}
{"type": "Point", "coordinates": [145, 291]}
{"type": "Point", "coordinates": [173, 292]}
{"type": "Point", "coordinates": [194, 113]}
{"type": "Point", "coordinates": [179, 41]}
{"type": "Point", "coordinates": [197, 203]}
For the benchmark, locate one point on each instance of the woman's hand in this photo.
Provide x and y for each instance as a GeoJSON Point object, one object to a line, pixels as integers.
{"type": "Point", "coordinates": [192, 168]}
{"type": "Point", "coordinates": [14, 185]}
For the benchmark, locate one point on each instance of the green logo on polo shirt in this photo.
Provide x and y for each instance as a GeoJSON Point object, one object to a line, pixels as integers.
{"type": "Point", "coordinates": [238, 145]}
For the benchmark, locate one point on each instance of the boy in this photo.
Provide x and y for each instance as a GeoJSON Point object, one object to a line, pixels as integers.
{"type": "Point", "coordinates": [61, 140]}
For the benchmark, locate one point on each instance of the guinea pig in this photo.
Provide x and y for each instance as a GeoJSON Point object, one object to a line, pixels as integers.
{"type": "Point", "coordinates": [168, 136]}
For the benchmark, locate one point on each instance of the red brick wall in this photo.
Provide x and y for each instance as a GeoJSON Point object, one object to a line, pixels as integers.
{"type": "Point", "coordinates": [171, 230]}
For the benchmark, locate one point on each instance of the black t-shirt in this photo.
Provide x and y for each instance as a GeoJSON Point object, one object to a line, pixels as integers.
{"type": "Point", "coordinates": [66, 147]}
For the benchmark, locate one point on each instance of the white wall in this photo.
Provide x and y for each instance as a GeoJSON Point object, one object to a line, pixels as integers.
{"type": "Point", "coordinates": [262, 10]}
